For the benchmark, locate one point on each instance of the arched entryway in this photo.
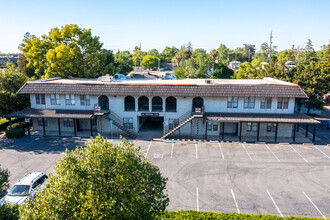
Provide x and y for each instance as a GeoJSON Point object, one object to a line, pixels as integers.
{"type": "Point", "coordinates": [103, 102]}
{"type": "Point", "coordinates": [197, 102]}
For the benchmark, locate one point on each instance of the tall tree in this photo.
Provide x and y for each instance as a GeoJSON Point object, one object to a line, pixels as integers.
{"type": "Point", "coordinates": [101, 181]}
{"type": "Point", "coordinates": [67, 51]}
{"type": "Point", "coordinates": [223, 52]}
{"type": "Point", "coordinates": [169, 53]}
{"type": "Point", "coordinates": [124, 62]}
{"type": "Point", "coordinates": [149, 62]}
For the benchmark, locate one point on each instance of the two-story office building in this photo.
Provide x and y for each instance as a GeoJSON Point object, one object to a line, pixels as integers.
{"type": "Point", "coordinates": [194, 108]}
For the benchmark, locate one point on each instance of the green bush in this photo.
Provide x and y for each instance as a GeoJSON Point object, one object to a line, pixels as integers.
{"type": "Point", "coordinates": [17, 125]}
{"type": "Point", "coordinates": [9, 212]}
{"type": "Point", "coordinates": [15, 133]}
{"type": "Point", "coordinates": [213, 215]}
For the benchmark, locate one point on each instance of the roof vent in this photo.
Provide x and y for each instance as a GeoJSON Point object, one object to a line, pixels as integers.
{"type": "Point", "coordinates": [209, 81]}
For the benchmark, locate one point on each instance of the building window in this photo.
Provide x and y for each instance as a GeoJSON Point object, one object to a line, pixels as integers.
{"type": "Point", "coordinates": [129, 103]}
{"type": "Point", "coordinates": [229, 102]}
{"type": "Point", "coordinates": [157, 104]}
{"type": "Point", "coordinates": [170, 104]}
{"type": "Point", "coordinates": [173, 123]}
{"type": "Point", "coordinates": [212, 126]}
{"type": "Point", "coordinates": [266, 103]}
{"type": "Point", "coordinates": [235, 102]}
{"type": "Point", "coordinates": [128, 123]}
{"type": "Point", "coordinates": [282, 103]}
{"type": "Point", "coordinates": [232, 102]}
{"type": "Point", "coordinates": [252, 127]}
{"type": "Point", "coordinates": [69, 100]}
{"type": "Point", "coordinates": [55, 99]}
{"type": "Point", "coordinates": [248, 102]}
{"type": "Point", "coordinates": [85, 100]}
{"type": "Point", "coordinates": [249, 126]}
{"type": "Point", "coordinates": [40, 122]}
{"type": "Point", "coordinates": [271, 127]}
{"type": "Point", "coordinates": [68, 123]}
{"type": "Point", "coordinates": [40, 99]}
{"type": "Point", "coordinates": [143, 103]}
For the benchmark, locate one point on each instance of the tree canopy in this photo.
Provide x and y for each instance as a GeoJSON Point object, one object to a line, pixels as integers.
{"type": "Point", "coordinates": [4, 181]}
{"type": "Point", "coordinates": [101, 181]}
{"type": "Point", "coordinates": [67, 51]}
{"type": "Point", "coordinates": [10, 82]}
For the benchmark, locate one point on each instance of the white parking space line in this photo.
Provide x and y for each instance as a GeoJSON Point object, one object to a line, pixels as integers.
{"type": "Point", "coordinates": [279, 211]}
{"type": "Point", "coordinates": [314, 205]}
{"type": "Point", "coordinates": [246, 151]}
{"type": "Point", "coordinates": [197, 200]}
{"type": "Point", "coordinates": [196, 151]}
{"type": "Point", "coordinates": [298, 153]}
{"type": "Point", "coordinates": [172, 150]}
{"type": "Point", "coordinates": [272, 152]}
{"type": "Point", "coordinates": [321, 151]}
{"type": "Point", "coordinates": [148, 150]}
{"type": "Point", "coordinates": [235, 201]}
{"type": "Point", "coordinates": [223, 157]}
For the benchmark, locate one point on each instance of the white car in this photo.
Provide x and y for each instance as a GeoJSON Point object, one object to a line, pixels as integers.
{"type": "Point", "coordinates": [25, 188]}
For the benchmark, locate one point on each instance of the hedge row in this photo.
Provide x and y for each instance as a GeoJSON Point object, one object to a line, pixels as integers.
{"type": "Point", "coordinates": [230, 216]}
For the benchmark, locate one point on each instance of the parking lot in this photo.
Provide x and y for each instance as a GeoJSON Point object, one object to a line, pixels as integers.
{"type": "Point", "coordinates": [280, 179]}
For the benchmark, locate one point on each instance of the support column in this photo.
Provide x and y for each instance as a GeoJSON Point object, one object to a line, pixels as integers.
{"type": "Point", "coordinates": [306, 135]}
{"type": "Point", "coordinates": [276, 131]}
{"type": "Point", "coordinates": [28, 127]}
{"type": "Point", "coordinates": [43, 126]}
{"type": "Point", "coordinates": [314, 131]}
{"type": "Point", "coordinates": [294, 132]}
{"type": "Point", "coordinates": [258, 131]}
{"type": "Point", "coordinates": [223, 130]}
{"type": "Point", "coordinates": [91, 122]}
{"type": "Point", "coordinates": [240, 131]}
{"type": "Point", "coordinates": [59, 126]}
{"type": "Point", "coordinates": [206, 130]}
{"type": "Point", "coordinates": [74, 127]}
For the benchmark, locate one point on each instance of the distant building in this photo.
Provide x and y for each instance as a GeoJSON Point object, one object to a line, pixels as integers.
{"type": "Point", "coordinates": [234, 65]}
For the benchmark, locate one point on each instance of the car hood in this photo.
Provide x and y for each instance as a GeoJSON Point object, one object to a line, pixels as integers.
{"type": "Point", "coordinates": [16, 200]}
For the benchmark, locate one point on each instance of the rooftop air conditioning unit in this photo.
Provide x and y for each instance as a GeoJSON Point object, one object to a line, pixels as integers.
{"type": "Point", "coordinates": [209, 81]}
{"type": "Point", "coordinates": [106, 78]}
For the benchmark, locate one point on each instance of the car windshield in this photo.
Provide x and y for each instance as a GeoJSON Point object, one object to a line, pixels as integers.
{"type": "Point", "coordinates": [19, 190]}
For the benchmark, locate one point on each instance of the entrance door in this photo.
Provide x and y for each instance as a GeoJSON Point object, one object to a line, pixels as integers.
{"type": "Point", "coordinates": [198, 103]}
{"type": "Point", "coordinates": [103, 102]}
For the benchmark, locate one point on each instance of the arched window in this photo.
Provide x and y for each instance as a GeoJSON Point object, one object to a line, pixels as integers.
{"type": "Point", "coordinates": [157, 104]}
{"type": "Point", "coordinates": [197, 102]}
{"type": "Point", "coordinates": [170, 104]}
{"type": "Point", "coordinates": [129, 103]}
{"type": "Point", "coordinates": [103, 102]}
{"type": "Point", "coordinates": [143, 103]}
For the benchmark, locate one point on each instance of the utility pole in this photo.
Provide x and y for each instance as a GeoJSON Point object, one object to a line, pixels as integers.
{"type": "Point", "coordinates": [270, 47]}
{"type": "Point", "coordinates": [140, 58]}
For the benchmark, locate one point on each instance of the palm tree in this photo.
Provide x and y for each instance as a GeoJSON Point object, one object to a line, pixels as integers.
{"type": "Point", "coordinates": [213, 54]}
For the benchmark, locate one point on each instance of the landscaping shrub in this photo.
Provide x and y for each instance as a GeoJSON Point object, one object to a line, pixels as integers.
{"type": "Point", "coordinates": [9, 212]}
{"type": "Point", "coordinates": [213, 215]}
{"type": "Point", "coordinates": [15, 133]}
{"type": "Point", "coordinates": [17, 125]}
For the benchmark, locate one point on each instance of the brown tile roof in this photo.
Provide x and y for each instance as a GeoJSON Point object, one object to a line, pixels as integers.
{"type": "Point", "coordinates": [214, 90]}
{"type": "Point", "coordinates": [260, 117]}
{"type": "Point", "coordinates": [51, 113]}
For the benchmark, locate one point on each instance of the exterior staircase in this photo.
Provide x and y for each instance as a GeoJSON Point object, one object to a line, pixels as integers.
{"type": "Point", "coordinates": [185, 120]}
{"type": "Point", "coordinates": [118, 122]}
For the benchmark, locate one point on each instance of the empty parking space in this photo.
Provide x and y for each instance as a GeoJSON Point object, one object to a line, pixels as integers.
{"type": "Point", "coordinates": [267, 178]}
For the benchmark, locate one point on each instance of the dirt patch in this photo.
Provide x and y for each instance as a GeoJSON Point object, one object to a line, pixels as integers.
{"type": "Point", "coordinates": [208, 145]}
{"type": "Point", "coordinates": [184, 145]}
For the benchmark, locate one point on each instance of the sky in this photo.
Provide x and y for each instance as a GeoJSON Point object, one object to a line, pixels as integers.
{"type": "Point", "coordinates": [122, 25]}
